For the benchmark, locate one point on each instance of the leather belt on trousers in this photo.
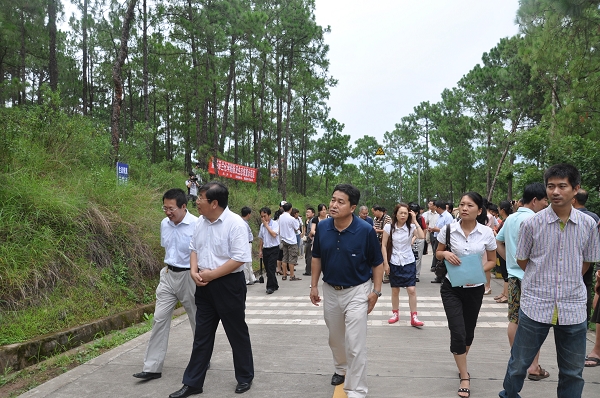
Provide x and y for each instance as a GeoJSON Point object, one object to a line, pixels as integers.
{"type": "Point", "coordinates": [177, 269]}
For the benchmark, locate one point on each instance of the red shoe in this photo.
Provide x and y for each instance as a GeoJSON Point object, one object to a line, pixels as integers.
{"type": "Point", "coordinates": [414, 321]}
{"type": "Point", "coordinates": [395, 317]}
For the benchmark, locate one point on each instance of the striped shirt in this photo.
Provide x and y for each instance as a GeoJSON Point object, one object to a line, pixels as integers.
{"type": "Point", "coordinates": [553, 275]}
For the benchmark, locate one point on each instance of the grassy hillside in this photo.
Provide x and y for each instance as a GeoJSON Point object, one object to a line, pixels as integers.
{"type": "Point", "coordinates": [74, 245]}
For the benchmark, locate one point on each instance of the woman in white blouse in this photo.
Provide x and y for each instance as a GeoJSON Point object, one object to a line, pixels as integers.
{"type": "Point", "coordinates": [462, 303]}
{"type": "Point", "coordinates": [401, 266]}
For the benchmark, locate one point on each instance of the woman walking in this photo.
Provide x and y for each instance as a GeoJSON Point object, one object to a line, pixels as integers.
{"type": "Point", "coordinates": [462, 303]}
{"type": "Point", "coordinates": [400, 264]}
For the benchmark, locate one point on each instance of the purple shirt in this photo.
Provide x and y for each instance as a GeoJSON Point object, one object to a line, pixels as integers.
{"type": "Point", "coordinates": [553, 276]}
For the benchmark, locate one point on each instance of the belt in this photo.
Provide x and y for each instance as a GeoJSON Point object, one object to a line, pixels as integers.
{"type": "Point", "coordinates": [337, 287]}
{"type": "Point", "coordinates": [272, 247]}
{"type": "Point", "coordinates": [177, 269]}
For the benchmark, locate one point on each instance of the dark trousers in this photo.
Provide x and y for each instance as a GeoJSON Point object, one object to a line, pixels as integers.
{"type": "Point", "coordinates": [462, 310]}
{"type": "Point", "coordinates": [270, 260]}
{"type": "Point", "coordinates": [588, 280]}
{"type": "Point", "coordinates": [425, 247]}
{"type": "Point", "coordinates": [223, 299]}
{"type": "Point", "coordinates": [308, 256]}
{"type": "Point", "coordinates": [434, 245]}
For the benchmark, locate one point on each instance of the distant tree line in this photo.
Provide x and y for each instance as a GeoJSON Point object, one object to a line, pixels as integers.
{"type": "Point", "coordinates": [179, 81]}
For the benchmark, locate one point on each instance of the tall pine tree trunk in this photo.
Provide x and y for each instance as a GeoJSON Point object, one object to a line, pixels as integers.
{"type": "Point", "coordinates": [118, 80]}
{"type": "Point", "coordinates": [52, 63]}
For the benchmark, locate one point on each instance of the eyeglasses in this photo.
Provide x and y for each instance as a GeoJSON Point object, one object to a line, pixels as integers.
{"type": "Point", "coordinates": [164, 208]}
{"type": "Point", "coordinates": [200, 198]}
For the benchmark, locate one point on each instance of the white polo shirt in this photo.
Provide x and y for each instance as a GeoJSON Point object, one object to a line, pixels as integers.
{"type": "Point", "coordinates": [175, 238]}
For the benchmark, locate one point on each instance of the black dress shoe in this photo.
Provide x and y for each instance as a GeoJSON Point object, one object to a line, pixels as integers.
{"type": "Point", "coordinates": [186, 391]}
{"type": "Point", "coordinates": [242, 387]}
{"type": "Point", "coordinates": [417, 280]}
{"type": "Point", "coordinates": [148, 375]}
{"type": "Point", "coordinates": [436, 280]}
{"type": "Point", "coordinates": [337, 379]}
{"type": "Point", "coordinates": [269, 291]}
{"type": "Point", "coordinates": [305, 274]}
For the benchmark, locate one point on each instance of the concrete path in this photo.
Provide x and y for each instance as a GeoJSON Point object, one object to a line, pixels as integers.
{"type": "Point", "coordinates": [292, 358]}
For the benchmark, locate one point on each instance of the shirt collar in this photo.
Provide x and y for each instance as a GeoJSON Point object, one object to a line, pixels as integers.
{"type": "Point", "coordinates": [187, 219]}
{"type": "Point", "coordinates": [552, 217]}
{"type": "Point", "coordinates": [524, 209]}
{"type": "Point", "coordinates": [350, 228]}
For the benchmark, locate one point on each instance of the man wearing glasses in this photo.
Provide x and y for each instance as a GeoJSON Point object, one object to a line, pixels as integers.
{"type": "Point", "coordinates": [219, 251]}
{"type": "Point", "coordinates": [175, 284]}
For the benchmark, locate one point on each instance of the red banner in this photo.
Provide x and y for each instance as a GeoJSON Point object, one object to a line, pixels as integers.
{"type": "Point", "coordinates": [233, 171]}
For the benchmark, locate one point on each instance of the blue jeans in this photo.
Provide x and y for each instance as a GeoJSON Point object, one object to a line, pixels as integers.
{"type": "Point", "coordinates": [570, 351]}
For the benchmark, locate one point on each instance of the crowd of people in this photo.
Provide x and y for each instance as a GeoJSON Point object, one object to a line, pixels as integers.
{"type": "Point", "coordinates": [544, 246]}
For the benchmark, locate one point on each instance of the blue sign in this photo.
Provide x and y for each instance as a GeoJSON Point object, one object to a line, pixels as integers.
{"type": "Point", "coordinates": [122, 173]}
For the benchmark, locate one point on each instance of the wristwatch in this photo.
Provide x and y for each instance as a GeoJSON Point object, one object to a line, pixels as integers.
{"type": "Point", "coordinates": [378, 293]}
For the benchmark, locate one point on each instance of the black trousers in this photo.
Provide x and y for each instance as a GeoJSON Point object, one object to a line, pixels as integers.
{"type": "Point", "coordinates": [223, 299]}
{"type": "Point", "coordinates": [270, 255]}
{"type": "Point", "coordinates": [462, 307]}
{"type": "Point", "coordinates": [308, 256]}
{"type": "Point", "coordinates": [434, 245]}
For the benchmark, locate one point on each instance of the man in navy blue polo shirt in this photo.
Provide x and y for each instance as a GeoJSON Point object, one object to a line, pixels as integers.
{"type": "Point", "coordinates": [346, 249]}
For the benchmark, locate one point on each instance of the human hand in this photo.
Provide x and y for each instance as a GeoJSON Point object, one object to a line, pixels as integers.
{"type": "Point", "coordinates": [197, 279]}
{"type": "Point", "coordinates": [314, 296]}
{"type": "Point", "coordinates": [451, 258]}
{"type": "Point", "coordinates": [372, 299]}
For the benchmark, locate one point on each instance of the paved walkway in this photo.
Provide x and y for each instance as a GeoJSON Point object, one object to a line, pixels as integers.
{"type": "Point", "coordinates": [292, 358]}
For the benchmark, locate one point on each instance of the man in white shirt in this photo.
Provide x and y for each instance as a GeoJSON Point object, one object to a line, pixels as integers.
{"type": "Point", "coordinates": [268, 247]}
{"type": "Point", "coordinates": [431, 218]}
{"type": "Point", "coordinates": [287, 233]}
{"type": "Point", "coordinates": [248, 270]}
{"type": "Point", "coordinates": [175, 283]}
{"type": "Point", "coordinates": [219, 248]}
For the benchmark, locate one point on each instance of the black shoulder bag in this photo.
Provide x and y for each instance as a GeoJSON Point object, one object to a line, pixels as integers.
{"type": "Point", "coordinates": [440, 265]}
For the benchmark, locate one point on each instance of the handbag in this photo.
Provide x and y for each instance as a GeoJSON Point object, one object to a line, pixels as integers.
{"type": "Point", "coordinates": [388, 246]}
{"type": "Point", "coordinates": [440, 265]}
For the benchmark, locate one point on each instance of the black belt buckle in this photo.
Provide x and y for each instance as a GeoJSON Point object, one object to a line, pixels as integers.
{"type": "Point", "coordinates": [177, 269]}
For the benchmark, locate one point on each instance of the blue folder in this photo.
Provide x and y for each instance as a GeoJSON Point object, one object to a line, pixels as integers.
{"type": "Point", "coordinates": [469, 272]}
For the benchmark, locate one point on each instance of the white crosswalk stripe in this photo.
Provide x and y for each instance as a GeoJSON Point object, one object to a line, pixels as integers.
{"type": "Point", "coordinates": [298, 310]}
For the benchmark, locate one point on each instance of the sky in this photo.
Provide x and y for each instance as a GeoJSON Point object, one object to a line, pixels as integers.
{"type": "Point", "coordinates": [390, 55]}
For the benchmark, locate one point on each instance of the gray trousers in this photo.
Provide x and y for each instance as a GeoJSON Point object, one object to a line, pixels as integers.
{"type": "Point", "coordinates": [419, 244]}
{"type": "Point", "coordinates": [173, 287]}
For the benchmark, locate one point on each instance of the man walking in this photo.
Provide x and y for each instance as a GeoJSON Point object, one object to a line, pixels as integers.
{"type": "Point", "coordinates": [534, 200]}
{"type": "Point", "coordinates": [248, 270]}
{"type": "Point", "coordinates": [219, 248]}
{"type": "Point", "coordinates": [431, 218]}
{"type": "Point", "coordinates": [175, 283]}
{"type": "Point", "coordinates": [555, 249]}
{"type": "Point", "coordinates": [310, 213]}
{"type": "Point", "coordinates": [444, 218]}
{"type": "Point", "coordinates": [287, 233]}
{"type": "Point", "coordinates": [347, 250]}
{"type": "Point", "coordinates": [268, 247]}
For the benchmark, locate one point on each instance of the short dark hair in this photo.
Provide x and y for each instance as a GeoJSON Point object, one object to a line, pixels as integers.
{"type": "Point", "coordinates": [581, 197]}
{"type": "Point", "coordinates": [350, 190]}
{"type": "Point", "coordinates": [506, 206]}
{"type": "Point", "coordinates": [563, 170]}
{"type": "Point", "coordinates": [177, 194]}
{"type": "Point", "coordinates": [479, 201]}
{"type": "Point", "coordinates": [311, 209]}
{"type": "Point", "coordinates": [536, 190]}
{"type": "Point", "coordinates": [440, 203]}
{"type": "Point", "coordinates": [216, 190]}
{"type": "Point", "coordinates": [286, 206]}
{"type": "Point", "coordinates": [265, 210]}
{"type": "Point", "coordinates": [295, 211]}
{"type": "Point", "coordinates": [245, 211]}
{"type": "Point", "coordinates": [377, 208]}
